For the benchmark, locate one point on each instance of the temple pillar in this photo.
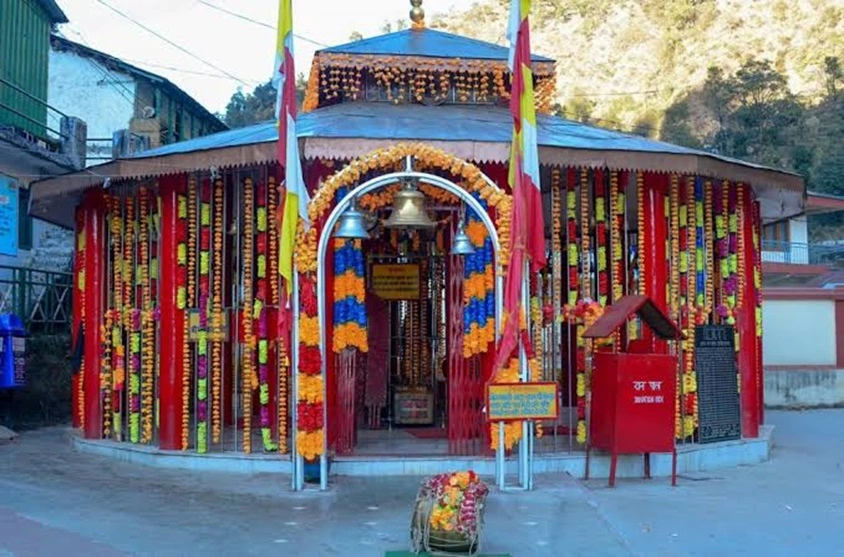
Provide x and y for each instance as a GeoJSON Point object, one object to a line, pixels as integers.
{"type": "Point", "coordinates": [654, 251]}
{"type": "Point", "coordinates": [171, 368]}
{"type": "Point", "coordinates": [746, 322]}
{"type": "Point", "coordinates": [94, 225]}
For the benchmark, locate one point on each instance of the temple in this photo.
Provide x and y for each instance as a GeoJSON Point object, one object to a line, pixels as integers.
{"type": "Point", "coordinates": [191, 342]}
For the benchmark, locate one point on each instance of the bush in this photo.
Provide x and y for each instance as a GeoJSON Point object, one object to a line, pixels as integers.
{"type": "Point", "coordinates": [46, 397]}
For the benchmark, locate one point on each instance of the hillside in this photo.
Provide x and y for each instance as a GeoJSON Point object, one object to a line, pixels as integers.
{"type": "Point", "coordinates": [623, 63]}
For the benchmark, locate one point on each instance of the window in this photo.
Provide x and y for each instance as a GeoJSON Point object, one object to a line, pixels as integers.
{"type": "Point", "coordinates": [24, 220]}
{"type": "Point", "coordinates": [776, 235]}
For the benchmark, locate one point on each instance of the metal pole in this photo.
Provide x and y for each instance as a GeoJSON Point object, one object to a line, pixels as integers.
{"type": "Point", "coordinates": [499, 457]}
{"type": "Point", "coordinates": [297, 479]}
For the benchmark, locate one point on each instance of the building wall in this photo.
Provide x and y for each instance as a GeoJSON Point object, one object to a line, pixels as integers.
{"type": "Point", "coordinates": [101, 97]}
{"type": "Point", "coordinates": [799, 332]}
{"type": "Point", "coordinates": [24, 48]}
{"type": "Point", "coordinates": [797, 251]}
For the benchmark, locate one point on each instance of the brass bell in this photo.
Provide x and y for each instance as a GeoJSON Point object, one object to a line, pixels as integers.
{"type": "Point", "coordinates": [351, 224]}
{"type": "Point", "coordinates": [409, 209]}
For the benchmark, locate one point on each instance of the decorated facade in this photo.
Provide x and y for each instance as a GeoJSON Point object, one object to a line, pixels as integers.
{"type": "Point", "coordinates": [193, 343]}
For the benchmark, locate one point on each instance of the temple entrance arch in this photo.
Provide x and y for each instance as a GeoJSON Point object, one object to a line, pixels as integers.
{"type": "Point", "coordinates": [313, 250]}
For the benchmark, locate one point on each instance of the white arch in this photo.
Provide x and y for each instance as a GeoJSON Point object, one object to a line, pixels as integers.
{"type": "Point", "coordinates": [334, 216]}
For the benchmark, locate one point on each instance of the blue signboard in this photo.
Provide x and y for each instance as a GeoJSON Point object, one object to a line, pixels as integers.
{"type": "Point", "coordinates": [8, 216]}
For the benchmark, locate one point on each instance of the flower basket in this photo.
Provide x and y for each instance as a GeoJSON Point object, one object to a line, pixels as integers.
{"type": "Point", "coordinates": [448, 515]}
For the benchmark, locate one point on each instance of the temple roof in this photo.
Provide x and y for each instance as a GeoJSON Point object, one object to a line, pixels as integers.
{"type": "Point", "coordinates": [428, 43]}
{"type": "Point", "coordinates": [432, 123]}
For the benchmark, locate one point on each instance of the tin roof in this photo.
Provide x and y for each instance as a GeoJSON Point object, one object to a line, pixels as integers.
{"type": "Point", "coordinates": [620, 311]}
{"type": "Point", "coordinates": [428, 43]}
{"type": "Point", "coordinates": [53, 11]}
{"type": "Point", "coordinates": [434, 123]}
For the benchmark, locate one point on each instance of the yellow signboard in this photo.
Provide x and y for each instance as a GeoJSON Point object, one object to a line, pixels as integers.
{"type": "Point", "coordinates": [395, 281]}
{"type": "Point", "coordinates": [220, 334]}
{"type": "Point", "coordinates": [522, 401]}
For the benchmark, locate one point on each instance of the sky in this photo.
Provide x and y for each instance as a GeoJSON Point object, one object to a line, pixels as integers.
{"type": "Point", "coordinates": [234, 52]}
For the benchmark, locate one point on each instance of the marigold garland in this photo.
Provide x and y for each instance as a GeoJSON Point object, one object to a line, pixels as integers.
{"type": "Point", "coordinates": [217, 306]}
{"type": "Point", "coordinates": [711, 255]}
{"type": "Point", "coordinates": [479, 287]}
{"type": "Point", "coordinates": [202, 342]}
{"type": "Point", "coordinates": [115, 327]}
{"type": "Point", "coordinates": [573, 260]}
{"type": "Point", "coordinates": [262, 300]}
{"type": "Point", "coordinates": [426, 157]}
{"type": "Point", "coordinates": [183, 300]}
{"type": "Point", "coordinates": [601, 237]}
{"type": "Point", "coordinates": [283, 358]}
{"type": "Point", "coordinates": [642, 231]}
{"type": "Point", "coordinates": [556, 248]}
{"type": "Point", "coordinates": [583, 350]}
{"type": "Point", "coordinates": [310, 442]}
{"type": "Point", "coordinates": [132, 321]}
{"type": "Point", "coordinates": [247, 364]}
{"type": "Point", "coordinates": [350, 323]}
{"type": "Point", "coordinates": [146, 319]}
{"type": "Point", "coordinates": [79, 284]}
{"type": "Point", "coordinates": [689, 395]}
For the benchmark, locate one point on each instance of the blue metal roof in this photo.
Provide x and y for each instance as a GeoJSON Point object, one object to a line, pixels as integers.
{"type": "Point", "coordinates": [429, 43]}
{"type": "Point", "coordinates": [433, 123]}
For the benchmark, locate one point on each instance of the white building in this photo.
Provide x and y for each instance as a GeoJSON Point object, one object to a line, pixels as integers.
{"type": "Point", "coordinates": [127, 109]}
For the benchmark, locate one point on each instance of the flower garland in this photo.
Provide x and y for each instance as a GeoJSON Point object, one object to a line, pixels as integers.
{"type": "Point", "coordinates": [478, 287]}
{"type": "Point", "coordinates": [147, 324]}
{"type": "Point", "coordinates": [106, 377]}
{"type": "Point", "coordinates": [79, 262]}
{"type": "Point", "coordinates": [262, 299]}
{"type": "Point", "coordinates": [618, 207]}
{"type": "Point", "coordinates": [310, 441]}
{"type": "Point", "coordinates": [282, 361]}
{"type": "Point", "coordinates": [757, 272]}
{"type": "Point", "coordinates": [247, 363]}
{"type": "Point", "coordinates": [458, 498]}
{"type": "Point", "coordinates": [413, 78]}
{"type": "Point", "coordinates": [426, 157]}
{"type": "Point", "coordinates": [512, 430]}
{"type": "Point", "coordinates": [349, 297]}
{"type": "Point", "coordinates": [582, 369]}
{"type": "Point", "coordinates": [182, 302]}
{"type": "Point", "coordinates": [722, 245]}
{"type": "Point", "coordinates": [700, 310]}
{"type": "Point", "coordinates": [217, 306]}
{"type": "Point", "coordinates": [710, 248]}
{"type": "Point", "coordinates": [731, 285]}
{"type": "Point", "coordinates": [642, 229]}
{"type": "Point", "coordinates": [741, 215]}
{"type": "Point", "coordinates": [116, 332]}
{"type": "Point", "coordinates": [202, 352]}
{"type": "Point", "coordinates": [573, 261]}
{"type": "Point", "coordinates": [601, 237]}
{"type": "Point", "coordinates": [556, 246]}
{"type": "Point", "coordinates": [672, 213]}
{"type": "Point", "coordinates": [131, 317]}
{"type": "Point", "coordinates": [689, 389]}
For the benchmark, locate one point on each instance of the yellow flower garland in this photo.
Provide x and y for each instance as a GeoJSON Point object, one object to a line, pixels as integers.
{"type": "Point", "coordinates": [217, 313]}
{"type": "Point", "coordinates": [247, 355]}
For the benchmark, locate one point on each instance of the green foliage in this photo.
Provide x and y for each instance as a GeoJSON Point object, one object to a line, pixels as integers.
{"type": "Point", "coordinates": [45, 400]}
{"type": "Point", "coordinates": [245, 109]}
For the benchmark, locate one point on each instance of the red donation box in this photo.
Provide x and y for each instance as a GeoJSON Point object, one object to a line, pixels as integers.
{"type": "Point", "coordinates": [634, 391]}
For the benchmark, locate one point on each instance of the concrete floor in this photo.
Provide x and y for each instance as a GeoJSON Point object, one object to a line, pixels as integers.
{"type": "Point", "coordinates": [54, 501]}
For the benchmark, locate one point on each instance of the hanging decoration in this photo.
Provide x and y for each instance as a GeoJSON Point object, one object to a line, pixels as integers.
{"type": "Point", "coordinates": [642, 239]}
{"type": "Point", "coordinates": [723, 249]}
{"type": "Point", "coordinates": [349, 77]}
{"type": "Point", "coordinates": [310, 442]}
{"type": "Point", "coordinates": [556, 252]}
{"type": "Point", "coordinates": [146, 319]}
{"type": "Point", "coordinates": [182, 303]}
{"type": "Point", "coordinates": [115, 331]}
{"type": "Point", "coordinates": [571, 235]}
{"type": "Point", "coordinates": [603, 281]}
{"type": "Point", "coordinates": [676, 230]}
{"type": "Point", "coordinates": [189, 226]}
{"type": "Point", "coordinates": [425, 157]}
{"type": "Point", "coordinates": [731, 284]}
{"type": "Point", "coordinates": [478, 286]}
{"type": "Point", "coordinates": [711, 255]}
{"type": "Point", "coordinates": [202, 345]}
{"type": "Point", "coordinates": [689, 379]}
{"type": "Point", "coordinates": [282, 358]}
{"type": "Point", "coordinates": [700, 310]}
{"type": "Point", "coordinates": [105, 371]}
{"type": "Point", "coordinates": [217, 303]}
{"type": "Point", "coordinates": [132, 321]}
{"type": "Point", "coordinates": [262, 299]}
{"type": "Point", "coordinates": [249, 313]}
{"type": "Point", "coordinates": [79, 262]}
{"type": "Point", "coordinates": [618, 205]}
{"type": "Point", "coordinates": [757, 272]}
{"type": "Point", "coordinates": [349, 297]}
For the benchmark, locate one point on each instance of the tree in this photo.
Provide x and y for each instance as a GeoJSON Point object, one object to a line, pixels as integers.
{"type": "Point", "coordinates": [833, 75]}
{"type": "Point", "coordinates": [245, 109]}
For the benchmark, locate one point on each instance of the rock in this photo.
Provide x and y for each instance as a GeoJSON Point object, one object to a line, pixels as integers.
{"type": "Point", "coordinates": [7, 435]}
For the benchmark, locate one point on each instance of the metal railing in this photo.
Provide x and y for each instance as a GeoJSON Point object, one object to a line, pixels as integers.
{"type": "Point", "coordinates": [48, 128]}
{"type": "Point", "coordinates": [799, 253]}
{"type": "Point", "coordinates": [42, 299]}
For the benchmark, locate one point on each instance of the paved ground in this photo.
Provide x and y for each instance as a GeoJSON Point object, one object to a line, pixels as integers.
{"type": "Point", "coordinates": [54, 501]}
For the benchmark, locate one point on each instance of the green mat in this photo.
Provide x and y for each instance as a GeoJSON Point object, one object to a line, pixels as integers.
{"type": "Point", "coordinates": [426, 554]}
